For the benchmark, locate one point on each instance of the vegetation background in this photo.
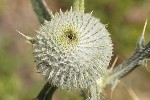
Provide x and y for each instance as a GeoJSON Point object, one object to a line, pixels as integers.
{"type": "Point", "coordinates": [19, 79]}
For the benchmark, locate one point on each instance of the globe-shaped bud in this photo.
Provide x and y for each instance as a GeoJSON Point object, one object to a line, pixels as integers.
{"type": "Point", "coordinates": [72, 50]}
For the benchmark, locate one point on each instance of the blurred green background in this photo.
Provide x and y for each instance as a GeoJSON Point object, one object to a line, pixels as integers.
{"type": "Point", "coordinates": [19, 79]}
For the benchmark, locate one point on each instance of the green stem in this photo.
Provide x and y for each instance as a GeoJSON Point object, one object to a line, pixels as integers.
{"type": "Point", "coordinates": [78, 5]}
{"type": "Point", "coordinates": [47, 92]}
{"type": "Point", "coordinates": [41, 10]}
{"type": "Point", "coordinates": [138, 58]}
{"type": "Point", "coordinates": [82, 5]}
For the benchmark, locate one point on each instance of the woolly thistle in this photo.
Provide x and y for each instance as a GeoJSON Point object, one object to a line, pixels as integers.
{"type": "Point", "coordinates": [72, 50]}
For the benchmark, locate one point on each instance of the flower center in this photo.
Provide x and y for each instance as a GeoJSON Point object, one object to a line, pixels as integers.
{"type": "Point", "coordinates": [71, 35]}
{"type": "Point", "coordinates": [69, 38]}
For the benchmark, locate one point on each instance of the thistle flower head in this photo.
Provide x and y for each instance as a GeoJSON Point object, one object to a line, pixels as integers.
{"type": "Point", "coordinates": [72, 50]}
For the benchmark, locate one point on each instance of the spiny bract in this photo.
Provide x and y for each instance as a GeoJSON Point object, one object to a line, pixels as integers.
{"type": "Point", "coordinates": [72, 50]}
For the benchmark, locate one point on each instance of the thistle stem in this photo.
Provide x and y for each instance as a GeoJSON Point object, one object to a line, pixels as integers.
{"type": "Point", "coordinates": [82, 5]}
{"type": "Point", "coordinates": [136, 60]}
{"type": "Point", "coordinates": [47, 92]}
{"type": "Point", "coordinates": [78, 5]}
{"type": "Point", "coordinates": [41, 10]}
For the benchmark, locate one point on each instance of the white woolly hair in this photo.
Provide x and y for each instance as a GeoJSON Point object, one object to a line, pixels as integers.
{"type": "Point", "coordinates": [72, 50]}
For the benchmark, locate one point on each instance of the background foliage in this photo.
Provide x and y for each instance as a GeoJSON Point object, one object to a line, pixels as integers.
{"type": "Point", "coordinates": [19, 79]}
